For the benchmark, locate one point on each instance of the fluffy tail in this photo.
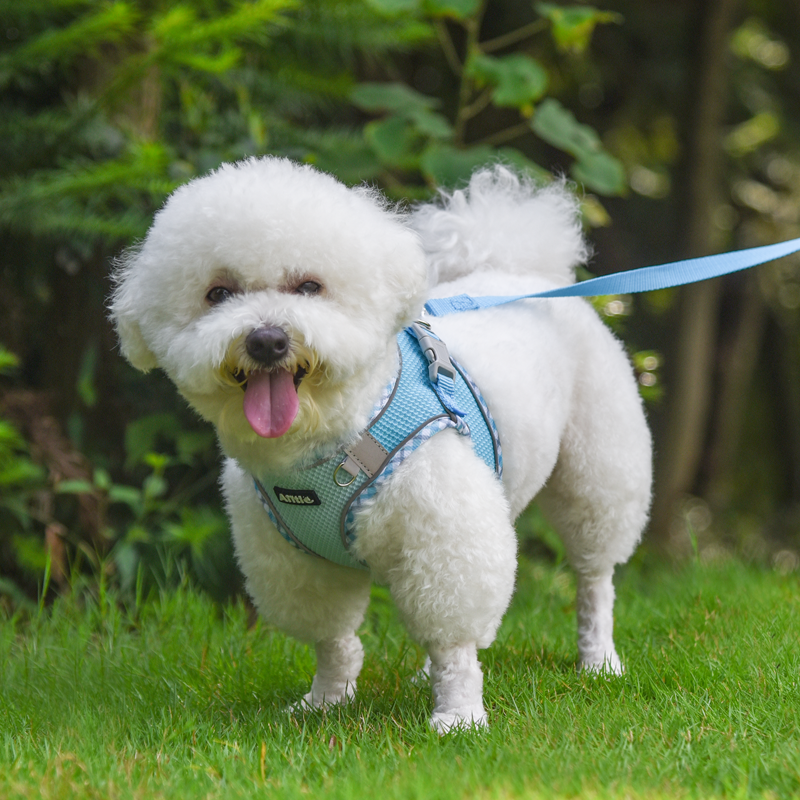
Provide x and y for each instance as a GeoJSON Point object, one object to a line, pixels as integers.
{"type": "Point", "coordinates": [502, 222]}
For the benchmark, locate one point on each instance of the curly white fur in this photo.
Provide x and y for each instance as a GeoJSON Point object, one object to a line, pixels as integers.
{"type": "Point", "coordinates": [440, 533]}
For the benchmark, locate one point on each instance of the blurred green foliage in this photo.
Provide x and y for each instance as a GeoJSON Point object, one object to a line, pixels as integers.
{"type": "Point", "coordinates": [20, 480]}
{"type": "Point", "coordinates": [107, 105]}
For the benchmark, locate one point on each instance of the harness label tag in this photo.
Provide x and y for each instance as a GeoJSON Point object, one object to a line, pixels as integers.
{"type": "Point", "coordinates": [297, 497]}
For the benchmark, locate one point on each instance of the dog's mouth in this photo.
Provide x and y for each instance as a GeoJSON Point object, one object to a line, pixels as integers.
{"type": "Point", "coordinates": [270, 398]}
{"type": "Point", "coordinates": [240, 377]}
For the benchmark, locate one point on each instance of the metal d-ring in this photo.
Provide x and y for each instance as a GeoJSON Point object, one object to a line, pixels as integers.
{"type": "Point", "coordinates": [336, 481]}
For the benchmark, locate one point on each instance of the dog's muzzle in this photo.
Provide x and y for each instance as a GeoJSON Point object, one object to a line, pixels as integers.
{"type": "Point", "coordinates": [270, 381]}
{"type": "Point", "coordinates": [267, 346]}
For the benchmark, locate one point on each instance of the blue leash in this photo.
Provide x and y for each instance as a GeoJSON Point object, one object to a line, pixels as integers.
{"type": "Point", "coordinates": [645, 279]}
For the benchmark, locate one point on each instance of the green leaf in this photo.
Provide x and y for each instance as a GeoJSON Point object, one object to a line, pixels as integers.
{"type": "Point", "coordinates": [455, 9]}
{"type": "Point", "coordinates": [158, 462]}
{"type": "Point", "coordinates": [75, 487]}
{"type": "Point", "coordinates": [196, 528]}
{"type": "Point", "coordinates": [756, 132]}
{"type": "Point", "coordinates": [193, 443]}
{"type": "Point", "coordinates": [142, 435]}
{"type": "Point", "coordinates": [594, 213]}
{"type": "Point", "coordinates": [154, 486]}
{"type": "Point", "coordinates": [128, 495]}
{"type": "Point", "coordinates": [558, 127]}
{"type": "Point", "coordinates": [137, 534]}
{"type": "Point", "coordinates": [601, 173]}
{"type": "Point", "coordinates": [216, 65]}
{"type": "Point", "coordinates": [346, 155]}
{"type": "Point", "coordinates": [179, 26]}
{"type": "Point", "coordinates": [37, 203]}
{"type": "Point", "coordinates": [87, 390]}
{"type": "Point", "coordinates": [518, 79]}
{"type": "Point", "coordinates": [173, 22]}
{"type": "Point", "coordinates": [10, 438]}
{"type": "Point", "coordinates": [30, 553]}
{"type": "Point", "coordinates": [396, 97]}
{"type": "Point", "coordinates": [21, 473]}
{"type": "Point", "coordinates": [595, 168]}
{"type": "Point", "coordinates": [102, 480]}
{"type": "Point", "coordinates": [509, 155]}
{"type": "Point", "coordinates": [434, 125]}
{"type": "Point", "coordinates": [392, 7]}
{"type": "Point", "coordinates": [403, 102]}
{"type": "Point", "coordinates": [393, 140]}
{"type": "Point", "coordinates": [7, 360]}
{"type": "Point", "coordinates": [753, 40]}
{"type": "Point", "coordinates": [573, 26]}
{"type": "Point", "coordinates": [447, 166]}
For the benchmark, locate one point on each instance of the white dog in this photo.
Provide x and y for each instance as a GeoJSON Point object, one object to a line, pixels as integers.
{"type": "Point", "coordinates": [276, 298]}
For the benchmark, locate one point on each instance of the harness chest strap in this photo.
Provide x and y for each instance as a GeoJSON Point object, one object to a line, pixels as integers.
{"type": "Point", "coordinates": [367, 455]}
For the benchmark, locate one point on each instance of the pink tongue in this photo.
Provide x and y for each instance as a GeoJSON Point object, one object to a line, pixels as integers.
{"type": "Point", "coordinates": [270, 402]}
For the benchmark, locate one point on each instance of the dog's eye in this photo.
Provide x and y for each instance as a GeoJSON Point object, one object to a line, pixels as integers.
{"type": "Point", "coordinates": [308, 288]}
{"type": "Point", "coordinates": [219, 294]}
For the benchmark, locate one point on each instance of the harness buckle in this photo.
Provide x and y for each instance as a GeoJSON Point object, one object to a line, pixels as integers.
{"type": "Point", "coordinates": [435, 351]}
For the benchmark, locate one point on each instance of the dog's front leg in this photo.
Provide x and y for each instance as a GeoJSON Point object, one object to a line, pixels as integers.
{"type": "Point", "coordinates": [457, 686]}
{"type": "Point", "coordinates": [439, 535]}
{"type": "Point", "coordinates": [338, 664]}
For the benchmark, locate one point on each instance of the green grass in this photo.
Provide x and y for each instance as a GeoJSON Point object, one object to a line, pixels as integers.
{"type": "Point", "coordinates": [178, 699]}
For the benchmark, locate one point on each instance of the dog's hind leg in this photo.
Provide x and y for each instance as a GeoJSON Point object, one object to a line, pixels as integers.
{"type": "Point", "coordinates": [595, 607]}
{"type": "Point", "coordinates": [457, 688]}
{"type": "Point", "coordinates": [596, 538]}
{"type": "Point", "coordinates": [598, 498]}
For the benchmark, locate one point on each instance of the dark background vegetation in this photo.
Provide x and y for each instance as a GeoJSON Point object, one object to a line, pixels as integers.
{"type": "Point", "coordinates": [678, 119]}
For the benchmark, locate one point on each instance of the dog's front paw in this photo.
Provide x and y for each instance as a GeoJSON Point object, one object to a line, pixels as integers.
{"type": "Point", "coordinates": [322, 697]}
{"type": "Point", "coordinates": [459, 720]}
{"type": "Point", "coordinates": [338, 664]}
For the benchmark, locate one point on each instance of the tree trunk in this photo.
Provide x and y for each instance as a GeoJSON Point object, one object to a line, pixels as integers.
{"type": "Point", "coordinates": [737, 367]}
{"type": "Point", "coordinates": [696, 321]}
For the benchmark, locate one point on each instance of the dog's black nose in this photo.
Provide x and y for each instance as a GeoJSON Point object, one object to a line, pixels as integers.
{"type": "Point", "coordinates": [267, 345]}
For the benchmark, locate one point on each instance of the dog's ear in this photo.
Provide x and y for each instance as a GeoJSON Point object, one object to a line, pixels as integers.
{"type": "Point", "coordinates": [125, 317]}
{"type": "Point", "coordinates": [403, 266]}
{"type": "Point", "coordinates": [406, 276]}
{"type": "Point", "coordinates": [411, 284]}
{"type": "Point", "coordinates": [132, 343]}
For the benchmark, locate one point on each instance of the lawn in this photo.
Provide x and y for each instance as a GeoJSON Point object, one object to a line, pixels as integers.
{"type": "Point", "coordinates": [175, 697]}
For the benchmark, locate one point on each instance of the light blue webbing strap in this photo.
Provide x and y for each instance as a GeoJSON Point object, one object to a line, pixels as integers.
{"type": "Point", "coordinates": [441, 372]}
{"type": "Point", "coordinates": [645, 279]}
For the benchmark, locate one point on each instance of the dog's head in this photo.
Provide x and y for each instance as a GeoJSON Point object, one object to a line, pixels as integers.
{"type": "Point", "coordinates": [270, 294]}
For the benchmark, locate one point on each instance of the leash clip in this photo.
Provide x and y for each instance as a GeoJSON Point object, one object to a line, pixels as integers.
{"type": "Point", "coordinates": [435, 351]}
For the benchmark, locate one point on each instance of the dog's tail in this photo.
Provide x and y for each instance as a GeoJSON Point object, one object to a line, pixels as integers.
{"type": "Point", "coordinates": [502, 222]}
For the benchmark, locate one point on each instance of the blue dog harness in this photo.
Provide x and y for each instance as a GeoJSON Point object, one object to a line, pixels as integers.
{"type": "Point", "coordinates": [314, 508]}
